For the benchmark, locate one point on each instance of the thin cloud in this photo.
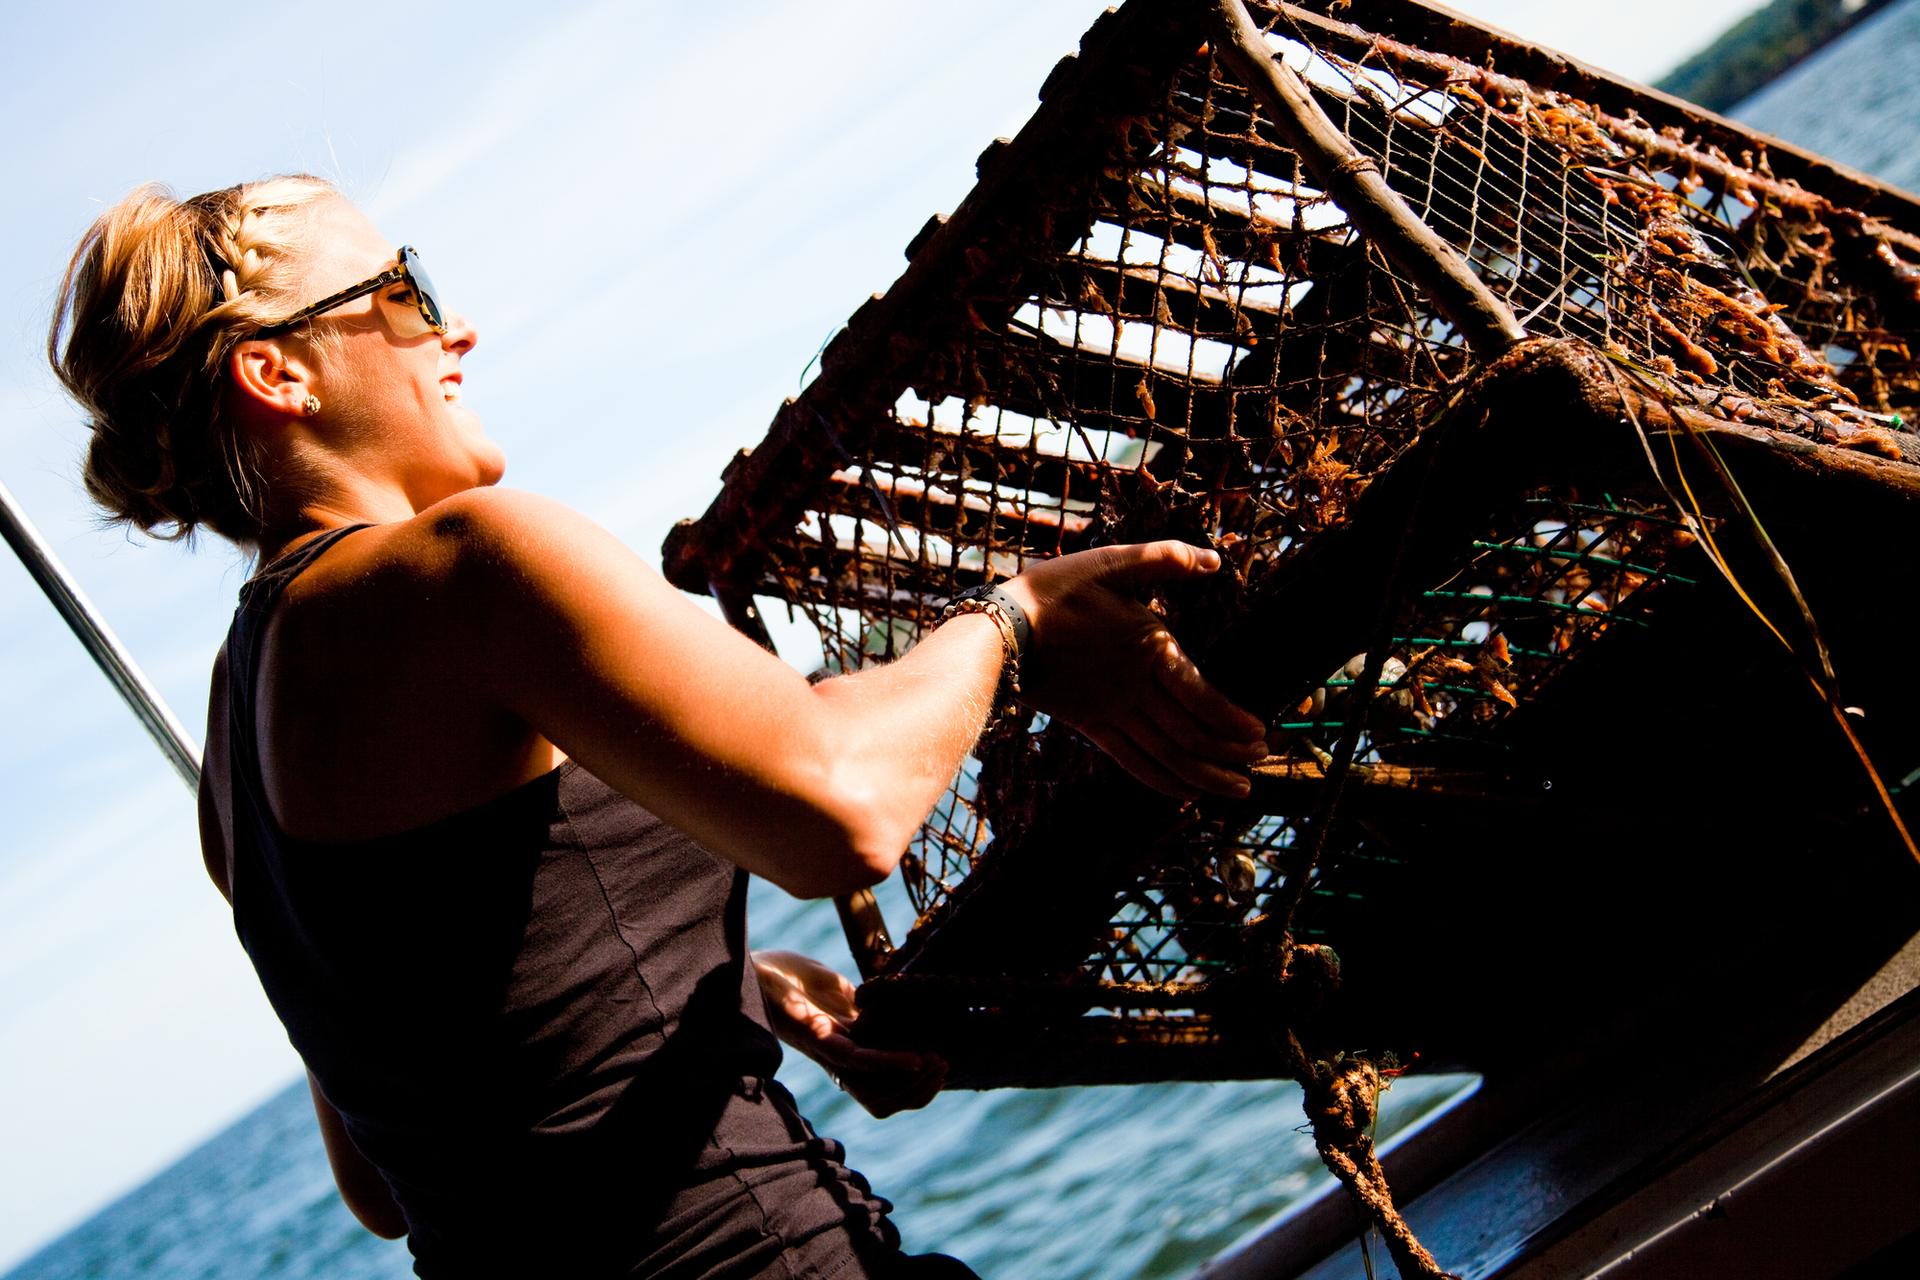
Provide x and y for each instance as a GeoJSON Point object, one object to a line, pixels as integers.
{"type": "Point", "coordinates": [540, 84]}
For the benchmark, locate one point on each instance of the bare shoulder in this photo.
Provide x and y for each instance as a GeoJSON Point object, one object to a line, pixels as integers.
{"type": "Point", "coordinates": [498, 521]}
{"type": "Point", "coordinates": [412, 641]}
{"type": "Point", "coordinates": [484, 590]}
{"type": "Point", "coordinates": [501, 535]}
{"type": "Point", "coordinates": [431, 569]}
{"type": "Point", "coordinates": [505, 548]}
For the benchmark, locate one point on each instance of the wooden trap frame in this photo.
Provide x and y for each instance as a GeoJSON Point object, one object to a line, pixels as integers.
{"type": "Point", "coordinates": [1487, 385]}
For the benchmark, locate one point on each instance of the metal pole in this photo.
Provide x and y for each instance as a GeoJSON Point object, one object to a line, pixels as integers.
{"type": "Point", "coordinates": [99, 640]}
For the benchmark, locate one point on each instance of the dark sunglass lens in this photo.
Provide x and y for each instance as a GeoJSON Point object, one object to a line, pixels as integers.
{"type": "Point", "coordinates": [423, 289]}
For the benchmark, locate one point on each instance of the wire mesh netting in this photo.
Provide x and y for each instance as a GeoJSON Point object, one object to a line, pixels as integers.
{"type": "Point", "coordinates": [1194, 339]}
{"type": "Point", "coordinates": [1471, 650]}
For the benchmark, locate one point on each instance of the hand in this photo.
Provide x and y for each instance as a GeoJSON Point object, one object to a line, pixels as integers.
{"type": "Point", "coordinates": [812, 1009]}
{"type": "Point", "coordinates": [1107, 665]}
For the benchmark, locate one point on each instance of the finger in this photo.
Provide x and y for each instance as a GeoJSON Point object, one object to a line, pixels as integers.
{"type": "Point", "coordinates": [832, 992]}
{"type": "Point", "coordinates": [1199, 775]}
{"type": "Point", "coordinates": [883, 1097]}
{"type": "Point", "coordinates": [831, 1052]}
{"type": "Point", "coordinates": [1180, 678]}
{"type": "Point", "coordinates": [805, 1016]}
{"type": "Point", "coordinates": [1138, 763]}
{"type": "Point", "coordinates": [849, 1057]}
{"type": "Point", "coordinates": [843, 1054]}
{"type": "Point", "coordinates": [1194, 738]}
{"type": "Point", "coordinates": [789, 971]}
{"type": "Point", "coordinates": [1146, 563]}
{"type": "Point", "coordinates": [925, 1089]}
{"type": "Point", "coordinates": [785, 963]}
{"type": "Point", "coordinates": [899, 1073]}
{"type": "Point", "coordinates": [824, 1026]}
{"type": "Point", "coordinates": [880, 1106]}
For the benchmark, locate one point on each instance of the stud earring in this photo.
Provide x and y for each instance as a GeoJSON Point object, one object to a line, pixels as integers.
{"type": "Point", "coordinates": [310, 406]}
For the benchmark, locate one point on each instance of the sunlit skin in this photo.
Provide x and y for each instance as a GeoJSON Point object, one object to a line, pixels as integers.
{"type": "Point", "coordinates": [495, 634]}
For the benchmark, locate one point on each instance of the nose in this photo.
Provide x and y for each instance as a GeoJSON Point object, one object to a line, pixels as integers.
{"type": "Point", "coordinates": [460, 337]}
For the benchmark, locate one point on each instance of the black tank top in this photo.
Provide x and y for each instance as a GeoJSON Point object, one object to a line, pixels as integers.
{"type": "Point", "coordinates": [536, 1018]}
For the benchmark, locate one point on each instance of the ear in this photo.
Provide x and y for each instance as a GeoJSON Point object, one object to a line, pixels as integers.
{"type": "Point", "coordinates": [269, 376]}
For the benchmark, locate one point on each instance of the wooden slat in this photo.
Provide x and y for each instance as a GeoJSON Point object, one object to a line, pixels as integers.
{"type": "Point", "coordinates": [1139, 294]}
{"type": "Point", "coordinates": [1282, 785]}
{"type": "Point", "coordinates": [965, 516]}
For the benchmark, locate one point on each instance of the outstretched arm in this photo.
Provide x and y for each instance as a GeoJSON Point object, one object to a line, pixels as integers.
{"type": "Point", "coordinates": [818, 788]}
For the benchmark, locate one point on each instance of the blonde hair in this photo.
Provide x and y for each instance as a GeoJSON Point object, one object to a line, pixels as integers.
{"type": "Point", "coordinates": [156, 297]}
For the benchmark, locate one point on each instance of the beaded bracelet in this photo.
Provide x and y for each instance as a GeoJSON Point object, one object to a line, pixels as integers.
{"type": "Point", "coordinates": [1016, 635]}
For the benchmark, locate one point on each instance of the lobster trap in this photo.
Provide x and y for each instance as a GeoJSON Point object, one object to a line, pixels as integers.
{"type": "Point", "coordinates": [1481, 382]}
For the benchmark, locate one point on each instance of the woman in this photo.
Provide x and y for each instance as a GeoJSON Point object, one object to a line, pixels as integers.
{"type": "Point", "coordinates": [482, 788]}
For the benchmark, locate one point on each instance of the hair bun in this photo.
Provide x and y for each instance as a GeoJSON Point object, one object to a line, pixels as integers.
{"type": "Point", "coordinates": [157, 293]}
{"type": "Point", "coordinates": [134, 485]}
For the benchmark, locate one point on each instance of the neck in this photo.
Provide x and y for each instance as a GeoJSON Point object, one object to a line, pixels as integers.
{"type": "Point", "coordinates": [361, 500]}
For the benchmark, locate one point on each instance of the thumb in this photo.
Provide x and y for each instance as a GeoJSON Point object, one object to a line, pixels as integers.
{"type": "Point", "coordinates": [1145, 563]}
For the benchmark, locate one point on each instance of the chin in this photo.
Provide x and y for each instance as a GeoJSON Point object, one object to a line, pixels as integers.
{"type": "Point", "coordinates": [487, 458]}
{"type": "Point", "coordinates": [490, 463]}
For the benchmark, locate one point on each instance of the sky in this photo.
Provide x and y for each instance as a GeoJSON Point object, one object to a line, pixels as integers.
{"type": "Point", "coordinates": [654, 213]}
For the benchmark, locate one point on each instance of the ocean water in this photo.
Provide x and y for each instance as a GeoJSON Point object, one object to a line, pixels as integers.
{"type": "Point", "coordinates": [1121, 1183]}
{"type": "Point", "coordinates": [1854, 100]}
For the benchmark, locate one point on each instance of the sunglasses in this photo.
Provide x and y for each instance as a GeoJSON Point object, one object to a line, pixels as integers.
{"type": "Point", "coordinates": [406, 268]}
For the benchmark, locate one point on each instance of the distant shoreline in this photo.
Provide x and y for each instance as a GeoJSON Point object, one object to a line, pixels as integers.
{"type": "Point", "coordinates": [1760, 48]}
